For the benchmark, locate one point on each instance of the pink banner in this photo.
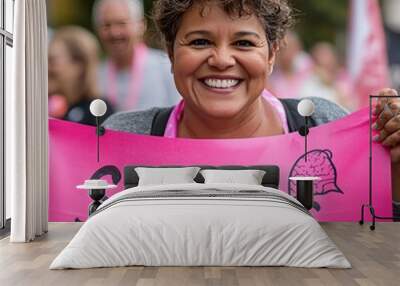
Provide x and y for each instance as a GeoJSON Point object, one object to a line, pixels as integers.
{"type": "Point", "coordinates": [338, 153]}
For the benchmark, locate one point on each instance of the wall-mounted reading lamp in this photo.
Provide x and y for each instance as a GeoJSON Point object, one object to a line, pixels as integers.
{"type": "Point", "coordinates": [98, 108]}
{"type": "Point", "coordinates": [305, 108]}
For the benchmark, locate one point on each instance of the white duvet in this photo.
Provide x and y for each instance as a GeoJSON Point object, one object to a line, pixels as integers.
{"type": "Point", "coordinates": [202, 231]}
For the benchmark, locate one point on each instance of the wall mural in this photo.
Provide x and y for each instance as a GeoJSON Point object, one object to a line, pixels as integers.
{"type": "Point", "coordinates": [338, 154]}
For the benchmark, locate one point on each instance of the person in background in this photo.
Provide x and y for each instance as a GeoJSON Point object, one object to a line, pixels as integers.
{"type": "Point", "coordinates": [293, 66]}
{"type": "Point", "coordinates": [73, 60]}
{"type": "Point", "coordinates": [133, 77]}
{"type": "Point", "coordinates": [329, 79]}
{"type": "Point", "coordinates": [391, 17]}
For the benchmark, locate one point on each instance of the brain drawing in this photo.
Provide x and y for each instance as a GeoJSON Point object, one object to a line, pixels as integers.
{"type": "Point", "coordinates": [319, 164]}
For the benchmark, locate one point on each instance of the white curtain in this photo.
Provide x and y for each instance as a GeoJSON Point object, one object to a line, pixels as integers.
{"type": "Point", "coordinates": [26, 124]}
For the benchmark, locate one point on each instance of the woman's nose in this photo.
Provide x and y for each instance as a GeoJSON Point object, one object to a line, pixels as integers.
{"type": "Point", "coordinates": [221, 58]}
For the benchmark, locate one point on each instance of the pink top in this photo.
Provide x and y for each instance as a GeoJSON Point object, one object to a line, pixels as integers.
{"type": "Point", "coordinates": [135, 84]}
{"type": "Point", "coordinates": [171, 129]}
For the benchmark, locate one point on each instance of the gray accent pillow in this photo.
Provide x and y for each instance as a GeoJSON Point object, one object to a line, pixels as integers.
{"type": "Point", "coordinates": [246, 177]}
{"type": "Point", "coordinates": [163, 176]}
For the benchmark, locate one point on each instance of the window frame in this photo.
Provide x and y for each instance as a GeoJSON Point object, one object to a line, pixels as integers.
{"type": "Point", "coordinates": [6, 39]}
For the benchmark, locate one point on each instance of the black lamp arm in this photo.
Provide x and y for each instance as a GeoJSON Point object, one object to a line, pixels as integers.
{"type": "Point", "coordinates": [100, 130]}
{"type": "Point", "coordinates": [303, 131]}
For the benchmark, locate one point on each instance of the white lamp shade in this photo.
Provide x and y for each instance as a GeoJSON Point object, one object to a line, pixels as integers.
{"type": "Point", "coordinates": [98, 107]}
{"type": "Point", "coordinates": [306, 107]}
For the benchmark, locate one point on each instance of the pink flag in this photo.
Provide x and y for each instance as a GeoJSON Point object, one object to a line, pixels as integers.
{"type": "Point", "coordinates": [367, 55]}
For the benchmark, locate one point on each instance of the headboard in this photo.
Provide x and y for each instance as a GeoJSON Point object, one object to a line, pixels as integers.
{"type": "Point", "coordinates": [270, 179]}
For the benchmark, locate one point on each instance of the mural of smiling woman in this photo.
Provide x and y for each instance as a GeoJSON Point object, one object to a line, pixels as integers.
{"type": "Point", "coordinates": [222, 52]}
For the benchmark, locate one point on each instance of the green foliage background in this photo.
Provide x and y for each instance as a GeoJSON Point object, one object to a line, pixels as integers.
{"type": "Point", "coordinates": [316, 19]}
{"type": "Point", "coordinates": [321, 20]}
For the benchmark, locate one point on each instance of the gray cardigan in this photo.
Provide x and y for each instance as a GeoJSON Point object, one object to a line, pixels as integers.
{"type": "Point", "coordinates": [140, 122]}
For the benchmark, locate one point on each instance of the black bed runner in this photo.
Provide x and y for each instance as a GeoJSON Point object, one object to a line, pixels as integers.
{"type": "Point", "coordinates": [206, 194]}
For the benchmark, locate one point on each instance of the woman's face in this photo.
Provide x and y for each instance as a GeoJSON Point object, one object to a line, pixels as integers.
{"type": "Point", "coordinates": [220, 63]}
{"type": "Point", "coordinates": [63, 71]}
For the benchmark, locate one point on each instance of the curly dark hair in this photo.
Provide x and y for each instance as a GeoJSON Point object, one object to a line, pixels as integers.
{"type": "Point", "coordinates": [275, 15]}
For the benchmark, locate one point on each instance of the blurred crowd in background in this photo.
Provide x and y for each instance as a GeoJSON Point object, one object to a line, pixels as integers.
{"type": "Point", "coordinates": [108, 49]}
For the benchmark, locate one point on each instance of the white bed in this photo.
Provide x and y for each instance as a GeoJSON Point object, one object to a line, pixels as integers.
{"type": "Point", "coordinates": [222, 225]}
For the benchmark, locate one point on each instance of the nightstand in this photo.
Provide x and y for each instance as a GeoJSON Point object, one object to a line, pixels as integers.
{"type": "Point", "coordinates": [305, 190]}
{"type": "Point", "coordinates": [97, 191]}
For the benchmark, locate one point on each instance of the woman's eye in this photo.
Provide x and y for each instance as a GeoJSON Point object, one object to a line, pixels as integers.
{"type": "Point", "coordinates": [244, 43]}
{"type": "Point", "coordinates": [200, 42]}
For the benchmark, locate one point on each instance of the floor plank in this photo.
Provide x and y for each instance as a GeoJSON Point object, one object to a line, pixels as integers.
{"type": "Point", "coordinates": [375, 257]}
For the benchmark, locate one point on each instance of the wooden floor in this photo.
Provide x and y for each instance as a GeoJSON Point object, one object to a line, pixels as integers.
{"type": "Point", "coordinates": [375, 257]}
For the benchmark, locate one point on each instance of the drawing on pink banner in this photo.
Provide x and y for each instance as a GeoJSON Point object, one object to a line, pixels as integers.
{"type": "Point", "coordinates": [339, 195]}
{"type": "Point", "coordinates": [319, 163]}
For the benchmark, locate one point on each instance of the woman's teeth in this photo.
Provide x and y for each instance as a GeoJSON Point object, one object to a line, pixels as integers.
{"type": "Point", "coordinates": [221, 83]}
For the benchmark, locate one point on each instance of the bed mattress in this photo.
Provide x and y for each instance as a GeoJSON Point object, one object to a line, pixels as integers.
{"type": "Point", "coordinates": [201, 225]}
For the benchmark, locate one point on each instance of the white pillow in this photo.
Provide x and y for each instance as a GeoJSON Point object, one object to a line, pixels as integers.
{"type": "Point", "coordinates": [165, 176]}
{"type": "Point", "coordinates": [248, 177]}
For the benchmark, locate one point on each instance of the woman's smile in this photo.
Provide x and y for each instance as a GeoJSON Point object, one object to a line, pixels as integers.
{"type": "Point", "coordinates": [221, 84]}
